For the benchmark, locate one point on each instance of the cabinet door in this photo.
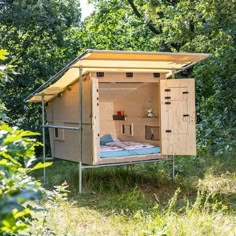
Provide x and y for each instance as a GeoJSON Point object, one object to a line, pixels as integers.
{"type": "Point", "coordinates": [178, 133]}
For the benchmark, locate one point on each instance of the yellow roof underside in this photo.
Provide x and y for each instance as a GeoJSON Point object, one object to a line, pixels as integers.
{"type": "Point", "coordinates": [118, 61]}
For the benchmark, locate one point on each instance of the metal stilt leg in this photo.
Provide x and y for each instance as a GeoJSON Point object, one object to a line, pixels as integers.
{"type": "Point", "coordinates": [81, 128]}
{"type": "Point", "coordinates": [80, 177]}
{"type": "Point", "coordinates": [173, 168]}
{"type": "Point", "coordinates": [44, 139]}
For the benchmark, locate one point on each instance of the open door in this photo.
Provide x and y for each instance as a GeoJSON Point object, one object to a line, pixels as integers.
{"type": "Point", "coordinates": [178, 132]}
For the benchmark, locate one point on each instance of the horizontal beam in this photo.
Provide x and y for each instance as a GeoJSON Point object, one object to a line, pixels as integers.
{"type": "Point", "coordinates": [62, 127]}
{"type": "Point", "coordinates": [166, 69]}
{"type": "Point", "coordinates": [124, 163]}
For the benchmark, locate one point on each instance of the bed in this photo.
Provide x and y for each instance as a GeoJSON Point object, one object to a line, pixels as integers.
{"type": "Point", "coordinates": [112, 147]}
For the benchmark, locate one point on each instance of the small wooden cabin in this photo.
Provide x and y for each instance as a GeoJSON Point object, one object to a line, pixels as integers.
{"type": "Point", "coordinates": [121, 96]}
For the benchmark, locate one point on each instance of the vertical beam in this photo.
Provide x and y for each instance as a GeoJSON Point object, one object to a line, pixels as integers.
{"type": "Point", "coordinates": [173, 74]}
{"type": "Point", "coordinates": [173, 167]}
{"type": "Point", "coordinates": [80, 177]}
{"type": "Point", "coordinates": [81, 127]}
{"type": "Point", "coordinates": [44, 138]}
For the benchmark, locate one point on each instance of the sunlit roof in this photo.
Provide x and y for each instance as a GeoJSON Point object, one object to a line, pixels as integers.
{"type": "Point", "coordinates": [115, 61]}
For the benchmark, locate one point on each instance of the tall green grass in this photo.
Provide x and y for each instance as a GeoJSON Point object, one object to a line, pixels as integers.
{"type": "Point", "coordinates": [144, 200]}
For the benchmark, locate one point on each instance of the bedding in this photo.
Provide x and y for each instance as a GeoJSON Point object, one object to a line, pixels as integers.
{"type": "Point", "coordinates": [123, 152]}
{"type": "Point", "coordinates": [129, 145]}
{"type": "Point", "coordinates": [120, 149]}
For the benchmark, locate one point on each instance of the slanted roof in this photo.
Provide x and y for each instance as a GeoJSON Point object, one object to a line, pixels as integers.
{"type": "Point", "coordinates": [114, 61]}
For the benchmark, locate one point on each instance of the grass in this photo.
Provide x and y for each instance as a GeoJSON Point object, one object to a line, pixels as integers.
{"type": "Point", "coordinates": [143, 199]}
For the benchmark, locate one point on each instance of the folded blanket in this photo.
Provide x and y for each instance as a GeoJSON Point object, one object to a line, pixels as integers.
{"type": "Point", "coordinates": [116, 144]}
{"type": "Point", "coordinates": [136, 145]}
{"type": "Point", "coordinates": [109, 149]}
{"type": "Point", "coordinates": [129, 145]}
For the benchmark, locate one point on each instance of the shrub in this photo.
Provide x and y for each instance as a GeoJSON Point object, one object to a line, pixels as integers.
{"type": "Point", "coordinates": [18, 190]}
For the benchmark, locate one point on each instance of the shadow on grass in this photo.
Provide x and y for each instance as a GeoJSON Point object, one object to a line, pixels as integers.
{"type": "Point", "coordinates": [141, 187]}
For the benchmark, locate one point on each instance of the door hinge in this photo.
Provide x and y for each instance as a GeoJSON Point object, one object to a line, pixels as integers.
{"type": "Point", "coordinates": [167, 97]}
{"type": "Point", "coordinates": [168, 131]}
{"type": "Point", "coordinates": [167, 90]}
{"type": "Point", "coordinates": [167, 103]}
{"type": "Point", "coordinates": [186, 92]}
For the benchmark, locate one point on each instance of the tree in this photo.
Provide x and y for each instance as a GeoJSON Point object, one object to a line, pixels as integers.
{"type": "Point", "coordinates": [201, 26]}
{"type": "Point", "coordinates": [113, 26]}
{"type": "Point", "coordinates": [35, 32]}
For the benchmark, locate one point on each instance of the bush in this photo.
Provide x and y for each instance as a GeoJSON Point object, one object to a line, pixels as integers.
{"type": "Point", "coordinates": [18, 190]}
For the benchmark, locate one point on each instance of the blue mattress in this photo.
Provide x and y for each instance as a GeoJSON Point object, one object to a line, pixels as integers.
{"type": "Point", "coordinates": [123, 153]}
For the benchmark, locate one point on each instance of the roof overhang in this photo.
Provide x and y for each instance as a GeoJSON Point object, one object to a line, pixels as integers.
{"type": "Point", "coordinates": [114, 61]}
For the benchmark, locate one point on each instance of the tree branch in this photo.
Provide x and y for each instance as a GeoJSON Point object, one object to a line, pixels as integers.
{"type": "Point", "coordinates": [138, 14]}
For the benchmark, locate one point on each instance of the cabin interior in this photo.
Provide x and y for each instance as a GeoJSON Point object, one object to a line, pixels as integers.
{"type": "Point", "coordinates": [130, 111]}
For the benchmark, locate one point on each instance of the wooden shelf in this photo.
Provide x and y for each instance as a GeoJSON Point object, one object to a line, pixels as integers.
{"type": "Point", "coordinates": [119, 117]}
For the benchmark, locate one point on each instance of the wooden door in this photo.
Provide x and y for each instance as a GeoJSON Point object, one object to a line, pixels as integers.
{"type": "Point", "coordinates": [178, 134]}
{"type": "Point", "coordinates": [95, 119]}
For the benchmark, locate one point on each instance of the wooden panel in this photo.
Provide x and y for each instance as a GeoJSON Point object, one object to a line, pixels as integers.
{"type": "Point", "coordinates": [138, 127]}
{"type": "Point", "coordinates": [109, 92]}
{"type": "Point", "coordinates": [49, 112]}
{"type": "Point", "coordinates": [178, 135]}
{"type": "Point", "coordinates": [66, 106]}
{"type": "Point", "coordinates": [107, 124]}
{"type": "Point", "coordinates": [64, 110]}
{"type": "Point", "coordinates": [68, 149]}
{"type": "Point", "coordinates": [143, 56]}
{"type": "Point", "coordinates": [95, 120]}
{"type": "Point", "coordinates": [121, 77]}
{"type": "Point", "coordinates": [135, 106]}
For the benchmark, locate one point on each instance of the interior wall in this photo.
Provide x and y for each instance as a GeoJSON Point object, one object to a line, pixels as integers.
{"type": "Point", "coordinates": [107, 124]}
{"type": "Point", "coordinates": [133, 99]}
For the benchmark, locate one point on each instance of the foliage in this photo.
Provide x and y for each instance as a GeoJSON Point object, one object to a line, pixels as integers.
{"type": "Point", "coordinates": [181, 26]}
{"type": "Point", "coordinates": [18, 190]}
{"type": "Point", "coordinates": [35, 32]}
{"type": "Point", "coordinates": [5, 72]}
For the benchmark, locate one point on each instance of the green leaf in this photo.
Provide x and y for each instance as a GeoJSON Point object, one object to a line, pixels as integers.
{"type": "Point", "coordinates": [3, 54]}
{"type": "Point", "coordinates": [40, 165]}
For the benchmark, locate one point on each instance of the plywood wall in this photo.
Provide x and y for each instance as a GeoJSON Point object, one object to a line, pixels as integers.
{"type": "Point", "coordinates": [107, 124]}
{"type": "Point", "coordinates": [64, 110]}
{"type": "Point", "coordinates": [132, 99]}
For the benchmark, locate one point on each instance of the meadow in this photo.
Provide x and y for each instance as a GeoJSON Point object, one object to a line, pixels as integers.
{"type": "Point", "coordinates": [142, 199]}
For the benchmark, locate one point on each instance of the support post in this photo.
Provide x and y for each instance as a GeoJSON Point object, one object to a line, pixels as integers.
{"type": "Point", "coordinates": [80, 177]}
{"type": "Point", "coordinates": [44, 138]}
{"type": "Point", "coordinates": [81, 128]}
{"type": "Point", "coordinates": [173, 74]}
{"type": "Point", "coordinates": [173, 167]}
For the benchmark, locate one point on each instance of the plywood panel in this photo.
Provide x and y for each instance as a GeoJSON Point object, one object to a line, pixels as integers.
{"type": "Point", "coordinates": [68, 149]}
{"type": "Point", "coordinates": [121, 77]}
{"type": "Point", "coordinates": [107, 124]}
{"type": "Point", "coordinates": [49, 112]}
{"type": "Point", "coordinates": [95, 120]}
{"type": "Point", "coordinates": [178, 135]}
{"type": "Point", "coordinates": [64, 110]}
{"type": "Point", "coordinates": [66, 106]}
{"type": "Point", "coordinates": [135, 106]}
